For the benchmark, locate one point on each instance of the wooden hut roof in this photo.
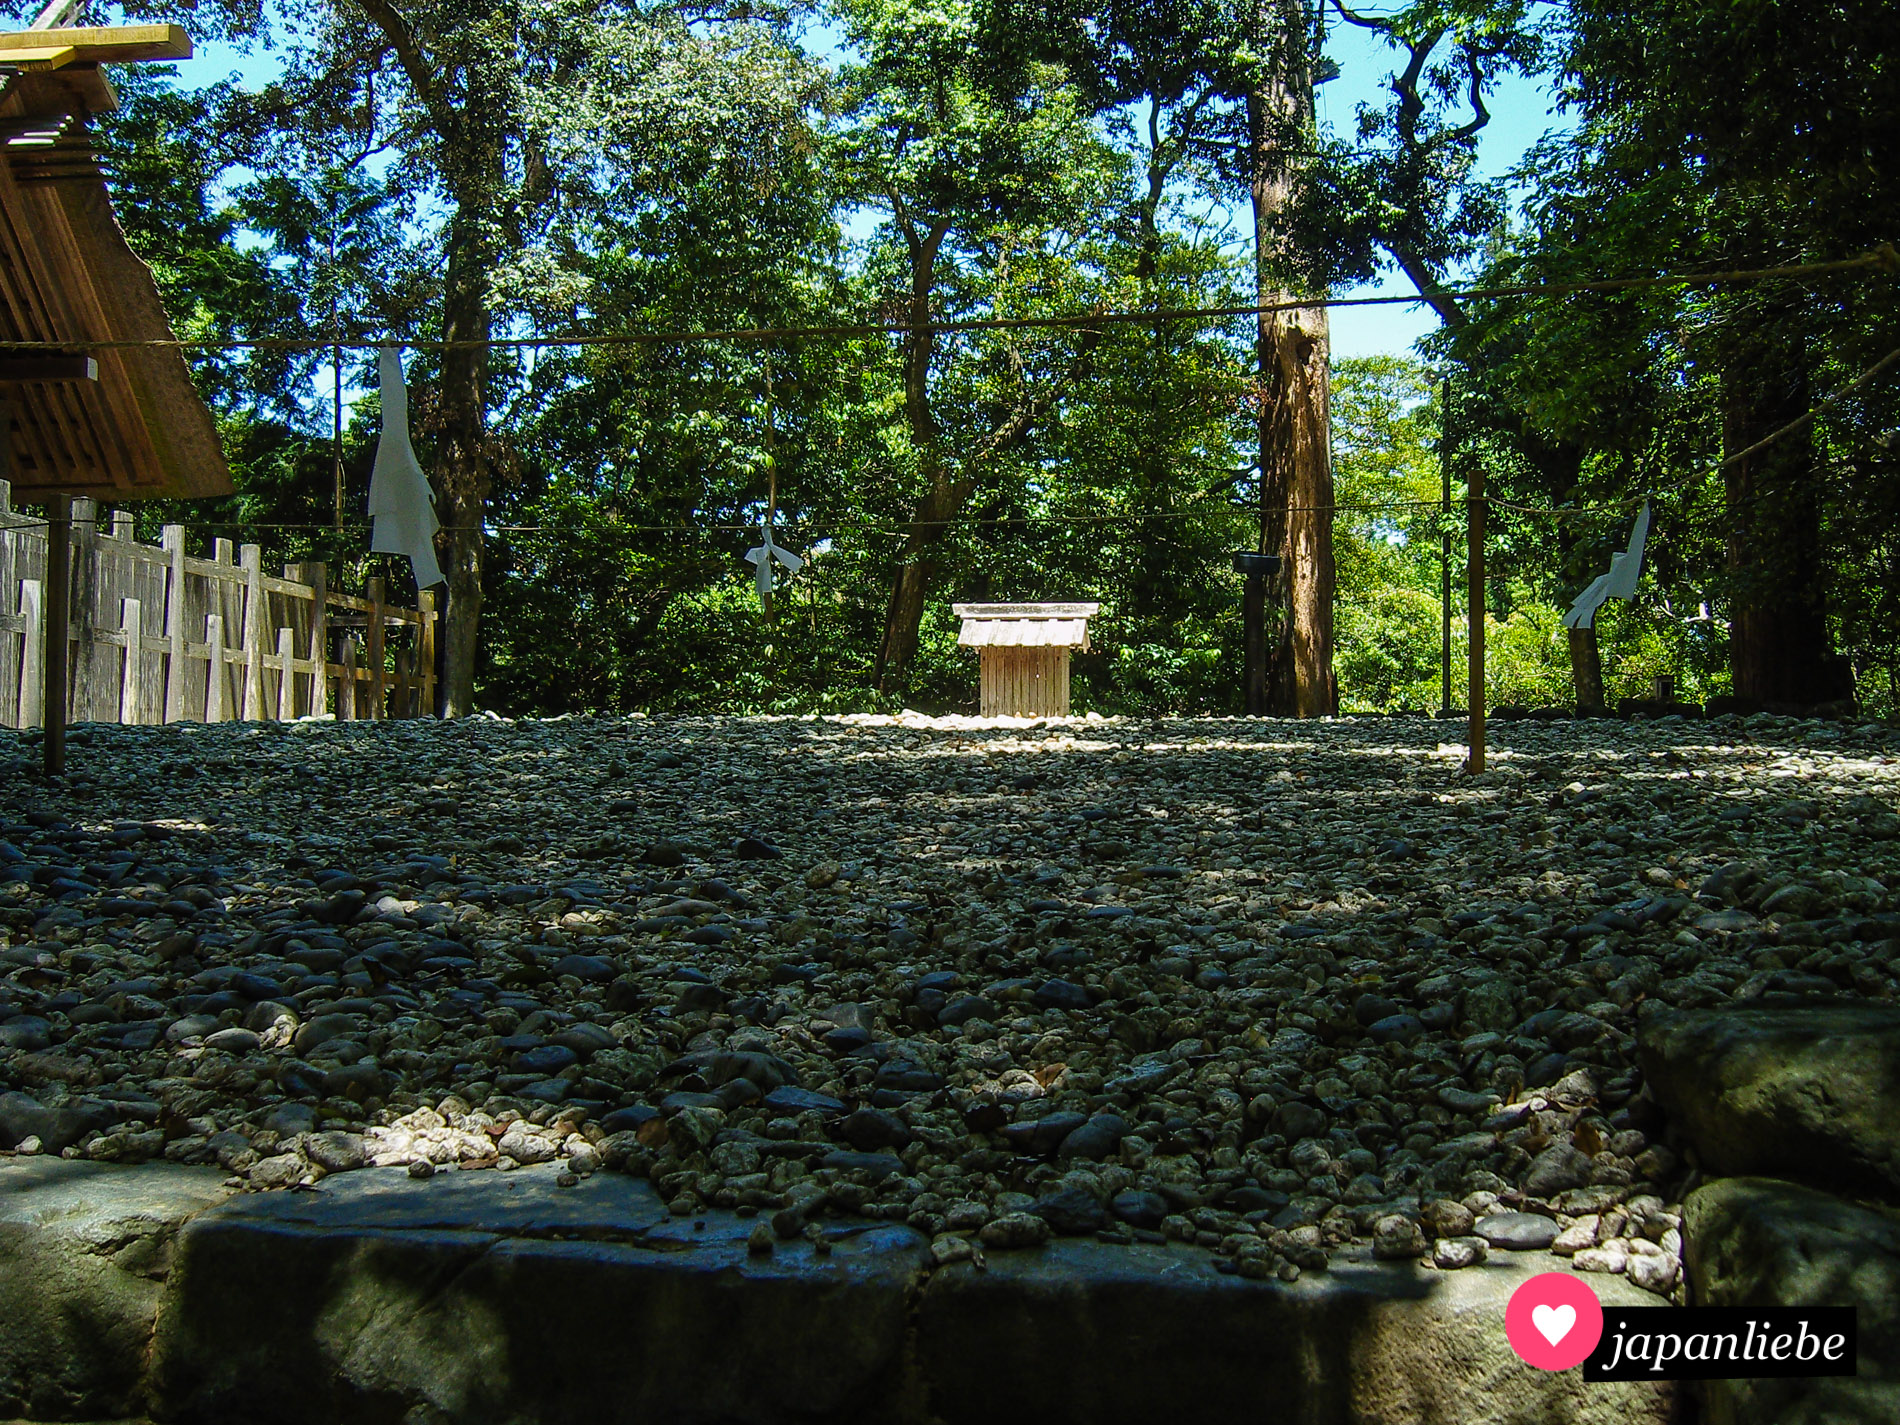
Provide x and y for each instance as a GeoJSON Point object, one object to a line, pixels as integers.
{"type": "Point", "coordinates": [1025, 625]}
{"type": "Point", "coordinates": [139, 429]}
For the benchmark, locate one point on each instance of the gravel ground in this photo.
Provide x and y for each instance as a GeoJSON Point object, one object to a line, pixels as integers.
{"type": "Point", "coordinates": [1272, 988]}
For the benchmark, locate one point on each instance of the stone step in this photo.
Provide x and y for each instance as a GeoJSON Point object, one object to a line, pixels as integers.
{"type": "Point", "coordinates": [1761, 1242]}
{"type": "Point", "coordinates": [1807, 1091]}
{"type": "Point", "coordinates": [478, 1296]}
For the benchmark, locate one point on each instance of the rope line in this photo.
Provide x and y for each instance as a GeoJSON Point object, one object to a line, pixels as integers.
{"type": "Point", "coordinates": [752, 526]}
{"type": "Point", "coordinates": [1885, 256]}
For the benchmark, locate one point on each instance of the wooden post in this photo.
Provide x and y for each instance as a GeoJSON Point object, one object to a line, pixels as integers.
{"type": "Point", "coordinates": [346, 686]}
{"type": "Point", "coordinates": [1474, 597]}
{"type": "Point", "coordinates": [214, 676]}
{"type": "Point", "coordinates": [172, 540]}
{"type": "Point", "coordinates": [426, 603]}
{"type": "Point", "coordinates": [287, 679]}
{"type": "Point", "coordinates": [254, 614]}
{"type": "Point", "coordinates": [33, 656]}
{"type": "Point", "coordinates": [122, 525]}
{"type": "Point", "coordinates": [131, 686]}
{"type": "Point", "coordinates": [59, 583]}
{"type": "Point", "coordinates": [374, 589]}
{"type": "Point", "coordinates": [1444, 542]}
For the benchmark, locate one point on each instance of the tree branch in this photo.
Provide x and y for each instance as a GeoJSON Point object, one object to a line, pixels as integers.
{"type": "Point", "coordinates": [1015, 428]}
{"type": "Point", "coordinates": [1428, 285]}
{"type": "Point", "coordinates": [409, 54]}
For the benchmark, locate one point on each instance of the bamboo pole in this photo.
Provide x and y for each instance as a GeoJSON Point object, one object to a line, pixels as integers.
{"type": "Point", "coordinates": [1474, 534]}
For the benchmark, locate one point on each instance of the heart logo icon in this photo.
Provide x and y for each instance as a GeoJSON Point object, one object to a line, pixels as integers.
{"type": "Point", "coordinates": [1553, 1323]}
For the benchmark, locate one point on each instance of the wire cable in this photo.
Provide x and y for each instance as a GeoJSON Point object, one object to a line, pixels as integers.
{"type": "Point", "coordinates": [1884, 256]}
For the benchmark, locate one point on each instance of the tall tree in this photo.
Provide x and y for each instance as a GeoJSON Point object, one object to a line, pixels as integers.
{"type": "Point", "coordinates": [980, 161]}
{"type": "Point", "coordinates": [1774, 155]}
{"type": "Point", "coordinates": [1294, 353]}
{"type": "Point", "coordinates": [1235, 78]}
{"type": "Point", "coordinates": [503, 121]}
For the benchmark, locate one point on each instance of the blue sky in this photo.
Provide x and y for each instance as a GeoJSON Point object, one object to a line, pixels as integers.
{"type": "Point", "coordinates": [1522, 112]}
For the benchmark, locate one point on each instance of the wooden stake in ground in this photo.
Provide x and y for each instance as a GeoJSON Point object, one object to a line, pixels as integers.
{"type": "Point", "coordinates": [1444, 546]}
{"type": "Point", "coordinates": [1474, 578]}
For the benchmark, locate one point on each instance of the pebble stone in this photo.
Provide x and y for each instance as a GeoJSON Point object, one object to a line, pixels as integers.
{"type": "Point", "coordinates": [1267, 991]}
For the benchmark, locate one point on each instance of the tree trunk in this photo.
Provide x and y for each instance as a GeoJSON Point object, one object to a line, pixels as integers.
{"type": "Point", "coordinates": [462, 471]}
{"type": "Point", "coordinates": [942, 498]}
{"type": "Point", "coordinates": [911, 586]}
{"type": "Point", "coordinates": [1586, 668]}
{"type": "Point", "coordinates": [948, 484]}
{"type": "Point", "coordinates": [1559, 468]}
{"type": "Point", "coordinates": [1294, 354]}
{"type": "Point", "coordinates": [1778, 647]}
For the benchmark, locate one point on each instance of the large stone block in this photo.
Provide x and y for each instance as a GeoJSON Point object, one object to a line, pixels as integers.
{"type": "Point", "coordinates": [501, 1297]}
{"type": "Point", "coordinates": [1079, 1333]}
{"type": "Point", "coordinates": [84, 1252]}
{"type": "Point", "coordinates": [1761, 1242]}
{"type": "Point", "coordinates": [1803, 1091]}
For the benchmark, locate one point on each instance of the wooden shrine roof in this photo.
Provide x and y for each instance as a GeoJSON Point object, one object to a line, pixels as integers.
{"type": "Point", "coordinates": [1025, 625]}
{"type": "Point", "coordinates": [140, 429]}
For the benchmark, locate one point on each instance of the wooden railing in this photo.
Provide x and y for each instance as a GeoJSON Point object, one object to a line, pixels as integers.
{"type": "Point", "coordinates": [159, 635]}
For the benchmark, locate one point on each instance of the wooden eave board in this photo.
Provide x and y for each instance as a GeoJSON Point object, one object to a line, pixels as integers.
{"type": "Point", "coordinates": [1024, 633]}
{"type": "Point", "coordinates": [1053, 625]}
{"type": "Point", "coordinates": [66, 275]}
{"type": "Point", "coordinates": [102, 44]}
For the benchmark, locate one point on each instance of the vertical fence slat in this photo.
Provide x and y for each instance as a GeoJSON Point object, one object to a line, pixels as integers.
{"type": "Point", "coordinates": [253, 633]}
{"type": "Point", "coordinates": [287, 679]}
{"type": "Point", "coordinates": [172, 540]}
{"type": "Point", "coordinates": [33, 655]}
{"type": "Point", "coordinates": [346, 686]}
{"type": "Point", "coordinates": [374, 594]}
{"type": "Point", "coordinates": [425, 603]}
{"type": "Point", "coordinates": [214, 681]}
{"type": "Point", "coordinates": [131, 686]}
{"type": "Point", "coordinates": [317, 576]}
{"type": "Point", "coordinates": [83, 703]}
{"type": "Point", "coordinates": [9, 583]}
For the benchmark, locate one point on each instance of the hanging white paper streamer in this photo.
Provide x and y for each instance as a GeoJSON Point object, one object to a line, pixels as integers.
{"type": "Point", "coordinates": [1619, 583]}
{"type": "Point", "coordinates": [399, 498]}
{"type": "Point", "coordinates": [762, 557]}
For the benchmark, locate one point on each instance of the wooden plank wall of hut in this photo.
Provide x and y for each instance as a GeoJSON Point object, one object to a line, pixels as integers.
{"type": "Point", "coordinates": [158, 635]}
{"type": "Point", "coordinates": [1024, 682]}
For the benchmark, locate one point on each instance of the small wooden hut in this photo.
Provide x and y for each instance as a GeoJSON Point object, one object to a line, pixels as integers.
{"type": "Point", "coordinates": [1025, 654]}
{"type": "Point", "coordinates": [93, 399]}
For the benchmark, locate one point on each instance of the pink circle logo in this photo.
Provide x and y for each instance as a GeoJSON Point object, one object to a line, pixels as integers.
{"type": "Point", "coordinates": [1553, 1321]}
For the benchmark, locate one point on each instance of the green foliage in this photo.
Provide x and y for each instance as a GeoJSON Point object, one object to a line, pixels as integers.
{"type": "Point", "coordinates": [668, 167]}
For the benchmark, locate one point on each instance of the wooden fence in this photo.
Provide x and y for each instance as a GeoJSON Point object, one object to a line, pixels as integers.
{"type": "Point", "coordinates": [158, 635]}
